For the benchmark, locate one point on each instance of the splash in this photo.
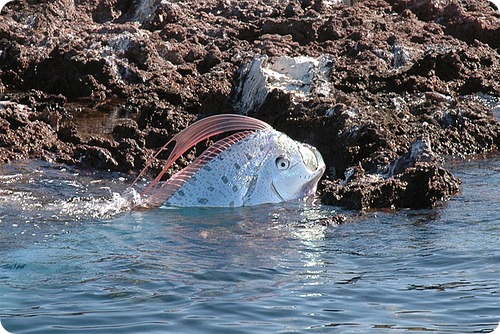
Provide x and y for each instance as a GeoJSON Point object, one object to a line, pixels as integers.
{"type": "Point", "coordinates": [96, 207]}
{"type": "Point", "coordinates": [33, 191]}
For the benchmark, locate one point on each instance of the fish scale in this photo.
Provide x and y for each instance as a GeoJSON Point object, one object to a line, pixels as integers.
{"type": "Point", "coordinates": [224, 181]}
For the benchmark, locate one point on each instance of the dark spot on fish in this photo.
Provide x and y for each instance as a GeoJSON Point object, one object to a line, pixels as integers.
{"type": "Point", "coordinates": [202, 200]}
{"type": "Point", "coordinates": [250, 185]}
{"type": "Point", "coordinates": [224, 179]}
{"type": "Point", "coordinates": [181, 193]}
{"type": "Point", "coordinates": [231, 204]}
{"type": "Point", "coordinates": [248, 156]}
{"type": "Point", "coordinates": [211, 188]}
{"type": "Point", "coordinates": [207, 168]}
{"type": "Point", "coordinates": [237, 166]}
{"type": "Point", "coordinates": [235, 188]}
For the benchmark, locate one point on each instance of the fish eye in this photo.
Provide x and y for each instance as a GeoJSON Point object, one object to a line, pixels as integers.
{"type": "Point", "coordinates": [282, 162]}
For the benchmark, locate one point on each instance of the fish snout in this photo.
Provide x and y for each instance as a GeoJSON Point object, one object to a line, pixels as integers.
{"type": "Point", "coordinates": [312, 158]}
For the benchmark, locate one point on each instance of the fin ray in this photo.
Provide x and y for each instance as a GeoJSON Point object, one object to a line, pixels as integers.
{"type": "Point", "coordinates": [167, 189]}
{"type": "Point", "coordinates": [195, 133]}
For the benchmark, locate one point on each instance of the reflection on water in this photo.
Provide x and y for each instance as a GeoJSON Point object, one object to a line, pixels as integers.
{"type": "Point", "coordinates": [75, 258]}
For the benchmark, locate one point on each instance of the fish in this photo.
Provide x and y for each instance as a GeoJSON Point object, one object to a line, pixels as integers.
{"type": "Point", "coordinates": [254, 165]}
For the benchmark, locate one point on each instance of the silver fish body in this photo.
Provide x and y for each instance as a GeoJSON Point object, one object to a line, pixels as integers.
{"type": "Point", "coordinates": [265, 166]}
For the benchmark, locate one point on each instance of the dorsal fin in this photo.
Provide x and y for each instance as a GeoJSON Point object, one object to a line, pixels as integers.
{"type": "Point", "coordinates": [197, 132]}
{"type": "Point", "coordinates": [162, 193]}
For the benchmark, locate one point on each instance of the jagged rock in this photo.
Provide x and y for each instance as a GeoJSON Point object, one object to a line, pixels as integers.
{"type": "Point", "coordinates": [418, 187]}
{"type": "Point", "coordinates": [301, 77]}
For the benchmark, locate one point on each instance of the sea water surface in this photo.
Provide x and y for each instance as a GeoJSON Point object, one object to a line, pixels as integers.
{"type": "Point", "coordinates": [75, 258]}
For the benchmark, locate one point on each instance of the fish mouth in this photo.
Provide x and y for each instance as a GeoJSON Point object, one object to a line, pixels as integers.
{"type": "Point", "coordinates": [309, 189]}
{"type": "Point", "coordinates": [314, 163]}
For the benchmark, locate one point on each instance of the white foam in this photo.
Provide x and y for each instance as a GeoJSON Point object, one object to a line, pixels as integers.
{"type": "Point", "coordinates": [97, 207]}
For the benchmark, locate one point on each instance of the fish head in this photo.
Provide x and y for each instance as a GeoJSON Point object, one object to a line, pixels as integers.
{"type": "Point", "coordinates": [295, 168]}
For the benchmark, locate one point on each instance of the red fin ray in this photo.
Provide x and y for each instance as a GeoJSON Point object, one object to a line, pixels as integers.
{"type": "Point", "coordinates": [162, 193]}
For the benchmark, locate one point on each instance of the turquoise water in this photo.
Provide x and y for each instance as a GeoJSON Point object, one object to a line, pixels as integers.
{"type": "Point", "coordinates": [74, 258]}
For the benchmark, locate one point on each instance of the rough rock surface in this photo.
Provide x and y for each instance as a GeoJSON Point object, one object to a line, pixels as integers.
{"type": "Point", "coordinates": [105, 83]}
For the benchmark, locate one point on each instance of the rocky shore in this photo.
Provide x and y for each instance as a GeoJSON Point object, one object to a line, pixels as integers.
{"type": "Point", "coordinates": [386, 90]}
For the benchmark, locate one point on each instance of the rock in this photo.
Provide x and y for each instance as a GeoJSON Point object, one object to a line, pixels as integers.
{"type": "Point", "coordinates": [69, 134]}
{"type": "Point", "coordinates": [128, 130]}
{"type": "Point", "coordinates": [26, 136]}
{"type": "Point", "coordinates": [413, 181]}
{"type": "Point", "coordinates": [96, 157]}
{"type": "Point", "coordinates": [422, 186]}
{"type": "Point", "coordinates": [301, 77]}
{"type": "Point", "coordinates": [420, 151]}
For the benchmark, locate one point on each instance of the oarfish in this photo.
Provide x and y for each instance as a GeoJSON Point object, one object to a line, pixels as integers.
{"type": "Point", "coordinates": [254, 166]}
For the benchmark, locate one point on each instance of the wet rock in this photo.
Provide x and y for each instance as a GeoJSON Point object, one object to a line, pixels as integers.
{"type": "Point", "coordinates": [156, 138]}
{"type": "Point", "coordinates": [24, 136]}
{"type": "Point", "coordinates": [128, 155]}
{"type": "Point", "coordinates": [426, 185]}
{"type": "Point", "coordinates": [420, 151]}
{"type": "Point", "coordinates": [414, 180]}
{"type": "Point", "coordinates": [293, 9]}
{"type": "Point", "coordinates": [69, 134]}
{"type": "Point", "coordinates": [422, 186]}
{"type": "Point", "coordinates": [96, 157]}
{"type": "Point", "coordinates": [128, 130]}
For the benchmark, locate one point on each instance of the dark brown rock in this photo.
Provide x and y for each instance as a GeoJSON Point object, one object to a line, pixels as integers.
{"type": "Point", "coordinates": [422, 186]}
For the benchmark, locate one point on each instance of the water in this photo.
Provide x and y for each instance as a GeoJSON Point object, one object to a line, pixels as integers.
{"type": "Point", "coordinates": [75, 258]}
